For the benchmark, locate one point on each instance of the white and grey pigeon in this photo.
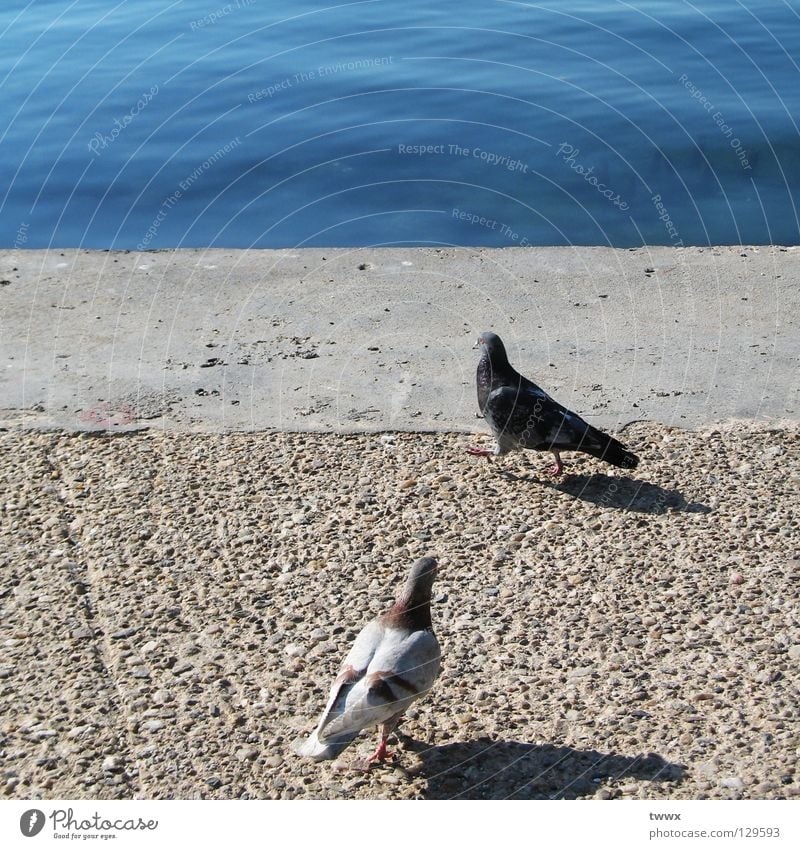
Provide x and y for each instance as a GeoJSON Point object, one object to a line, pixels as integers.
{"type": "Point", "coordinates": [394, 660]}
{"type": "Point", "coordinates": [522, 415]}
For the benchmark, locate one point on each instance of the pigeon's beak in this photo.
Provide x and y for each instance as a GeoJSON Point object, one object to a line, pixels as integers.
{"type": "Point", "coordinates": [476, 345]}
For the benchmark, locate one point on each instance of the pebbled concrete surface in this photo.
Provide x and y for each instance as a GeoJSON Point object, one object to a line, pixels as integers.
{"type": "Point", "coordinates": [365, 340]}
{"type": "Point", "coordinates": [174, 607]}
{"type": "Point", "coordinates": [182, 572]}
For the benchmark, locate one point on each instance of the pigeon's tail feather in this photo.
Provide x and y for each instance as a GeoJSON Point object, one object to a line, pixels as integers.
{"type": "Point", "coordinates": [314, 748]}
{"type": "Point", "coordinates": [607, 448]}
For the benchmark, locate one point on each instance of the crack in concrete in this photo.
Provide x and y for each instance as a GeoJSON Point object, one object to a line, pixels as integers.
{"type": "Point", "coordinates": [99, 646]}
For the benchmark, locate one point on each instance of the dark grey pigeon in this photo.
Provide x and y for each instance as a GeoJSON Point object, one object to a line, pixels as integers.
{"type": "Point", "coordinates": [522, 415]}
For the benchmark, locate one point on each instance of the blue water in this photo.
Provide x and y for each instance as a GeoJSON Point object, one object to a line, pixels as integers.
{"type": "Point", "coordinates": [150, 124]}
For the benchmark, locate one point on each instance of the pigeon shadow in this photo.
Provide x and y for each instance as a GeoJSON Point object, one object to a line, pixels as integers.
{"type": "Point", "coordinates": [621, 493]}
{"type": "Point", "coordinates": [497, 769]}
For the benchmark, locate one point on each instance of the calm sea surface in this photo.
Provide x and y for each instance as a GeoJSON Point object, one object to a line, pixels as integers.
{"type": "Point", "coordinates": [150, 124]}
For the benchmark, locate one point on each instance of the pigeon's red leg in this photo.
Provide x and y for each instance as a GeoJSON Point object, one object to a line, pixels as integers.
{"type": "Point", "coordinates": [382, 753]}
{"type": "Point", "coordinates": [559, 466]}
{"type": "Point", "coordinates": [479, 452]}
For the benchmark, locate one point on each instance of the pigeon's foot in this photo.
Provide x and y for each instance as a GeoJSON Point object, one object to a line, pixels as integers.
{"type": "Point", "coordinates": [556, 469]}
{"type": "Point", "coordinates": [479, 452]}
{"type": "Point", "coordinates": [380, 755]}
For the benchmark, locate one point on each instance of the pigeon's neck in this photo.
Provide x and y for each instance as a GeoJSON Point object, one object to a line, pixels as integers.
{"type": "Point", "coordinates": [495, 370]}
{"type": "Point", "coordinates": [412, 610]}
{"type": "Point", "coordinates": [498, 358]}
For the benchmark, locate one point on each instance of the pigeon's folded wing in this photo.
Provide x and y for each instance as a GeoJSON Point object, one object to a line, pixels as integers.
{"type": "Point", "coordinates": [530, 418]}
{"type": "Point", "coordinates": [353, 669]}
{"type": "Point", "coordinates": [350, 677]}
{"type": "Point", "coordinates": [404, 667]}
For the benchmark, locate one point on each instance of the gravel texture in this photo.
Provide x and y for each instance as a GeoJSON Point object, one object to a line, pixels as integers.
{"type": "Point", "coordinates": [174, 607]}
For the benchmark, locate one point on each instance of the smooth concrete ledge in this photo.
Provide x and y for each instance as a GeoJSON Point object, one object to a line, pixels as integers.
{"type": "Point", "coordinates": [380, 339]}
